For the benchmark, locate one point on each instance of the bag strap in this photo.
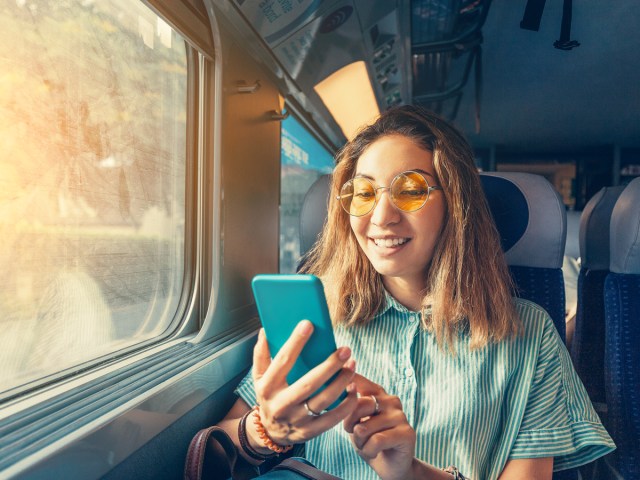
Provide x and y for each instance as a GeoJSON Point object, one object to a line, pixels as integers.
{"type": "Point", "coordinates": [306, 471]}
{"type": "Point", "coordinates": [213, 452]}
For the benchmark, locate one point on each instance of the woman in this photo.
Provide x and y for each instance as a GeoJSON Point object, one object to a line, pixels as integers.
{"type": "Point", "coordinates": [451, 369]}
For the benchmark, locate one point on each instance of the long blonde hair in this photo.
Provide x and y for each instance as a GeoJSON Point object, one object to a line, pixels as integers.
{"type": "Point", "coordinates": [468, 282]}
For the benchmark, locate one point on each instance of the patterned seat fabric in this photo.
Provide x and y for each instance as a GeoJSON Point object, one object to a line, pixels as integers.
{"type": "Point", "coordinates": [587, 348]}
{"type": "Point", "coordinates": [622, 315]}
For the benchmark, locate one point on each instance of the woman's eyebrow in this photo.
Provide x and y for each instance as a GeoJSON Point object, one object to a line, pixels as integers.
{"type": "Point", "coordinates": [424, 172]}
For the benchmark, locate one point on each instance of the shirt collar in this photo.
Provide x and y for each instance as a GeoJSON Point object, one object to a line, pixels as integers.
{"type": "Point", "coordinates": [390, 302]}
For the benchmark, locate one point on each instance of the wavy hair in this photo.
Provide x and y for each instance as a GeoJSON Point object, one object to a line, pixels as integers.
{"type": "Point", "coordinates": [468, 282]}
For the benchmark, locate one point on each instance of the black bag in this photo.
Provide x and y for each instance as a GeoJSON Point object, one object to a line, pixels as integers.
{"type": "Point", "coordinates": [212, 455]}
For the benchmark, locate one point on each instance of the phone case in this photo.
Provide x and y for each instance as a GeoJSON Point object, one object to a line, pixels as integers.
{"type": "Point", "coordinates": [283, 301]}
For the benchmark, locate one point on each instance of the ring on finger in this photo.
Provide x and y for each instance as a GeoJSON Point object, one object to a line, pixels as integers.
{"type": "Point", "coordinates": [313, 413]}
{"type": "Point", "coordinates": [376, 409]}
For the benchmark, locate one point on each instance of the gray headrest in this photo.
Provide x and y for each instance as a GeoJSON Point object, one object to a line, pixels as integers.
{"type": "Point", "coordinates": [572, 247]}
{"type": "Point", "coordinates": [625, 231]}
{"type": "Point", "coordinates": [314, 212]}
{"type": "Point", "coordinates": [594, 229]}
{"type": "Point", "coordinates": [530, 217]}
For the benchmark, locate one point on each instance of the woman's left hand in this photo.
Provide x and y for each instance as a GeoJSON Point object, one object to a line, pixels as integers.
{"type": "Point", "coordinates": [383, 438]}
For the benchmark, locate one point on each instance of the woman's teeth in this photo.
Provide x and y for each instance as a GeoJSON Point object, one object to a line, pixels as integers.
{"type": "Point", "coordinates": [389, 242]}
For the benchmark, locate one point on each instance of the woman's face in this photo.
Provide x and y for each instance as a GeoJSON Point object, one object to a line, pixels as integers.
{"type": "Point", "coordinates": [399, 244]}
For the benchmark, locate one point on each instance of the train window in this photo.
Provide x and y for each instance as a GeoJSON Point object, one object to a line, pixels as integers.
{"type": "Point", "coordinates": [303, 160]}
{"type": "Point", "coordinates": [93, 162]}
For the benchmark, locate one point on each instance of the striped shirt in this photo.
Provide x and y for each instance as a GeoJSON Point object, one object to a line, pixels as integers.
{"type": "Point", "coordinates": [476, 409]}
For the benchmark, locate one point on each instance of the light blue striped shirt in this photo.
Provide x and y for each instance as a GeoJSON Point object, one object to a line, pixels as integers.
{"type": "Point", "coordinates": [475, 409]}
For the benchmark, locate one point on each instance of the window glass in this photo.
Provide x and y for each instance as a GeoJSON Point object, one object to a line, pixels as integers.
{"type": "Point", "coordinates": [92, 181]}
{"type": "Point", "coordinates": [303, 160]}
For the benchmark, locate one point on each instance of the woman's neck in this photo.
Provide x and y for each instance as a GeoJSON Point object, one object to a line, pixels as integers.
{"type": "Point", "coordinates": [406, 292]}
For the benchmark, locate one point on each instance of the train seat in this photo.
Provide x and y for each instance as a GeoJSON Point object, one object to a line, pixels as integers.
{"type": "Point", "coordinates": [587, 347]}
{"type": "Point", "coordinates": [314, 212]}
{"type": "Point", "coordinates": [532, 223]}
{"type": "Point", "coordinates": [570, 272]}
{"type": "Point", "coordinates": [622, 315]}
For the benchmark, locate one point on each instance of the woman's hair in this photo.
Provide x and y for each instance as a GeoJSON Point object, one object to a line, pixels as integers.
{"type": "Point", "coordinates": [468, 282]}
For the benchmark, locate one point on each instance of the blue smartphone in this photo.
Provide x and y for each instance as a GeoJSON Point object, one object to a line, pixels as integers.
{"type": "Point", "coordinates": [283, 301]}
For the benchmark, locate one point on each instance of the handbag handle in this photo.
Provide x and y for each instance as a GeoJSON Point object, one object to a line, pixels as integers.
{"type": "Point", "coordinates": [213, 453]}
{"type": "Point", "coordinates": [304, 470]}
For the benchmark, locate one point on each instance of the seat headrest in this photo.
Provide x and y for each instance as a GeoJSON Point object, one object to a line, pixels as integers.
{"type": "Point", "coordinates": [530, 217]}
{"type": "Point", "coordinates": [572, 247]}
{"type": "Point", "coordinates": [594, 229]}
{"type": "Point", "coordinates": [625, 231]}
{"type": "Point", "coordinates": [314, 212]}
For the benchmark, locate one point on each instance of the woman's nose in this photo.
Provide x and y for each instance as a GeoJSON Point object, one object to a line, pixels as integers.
{"type": "Point", "coordinates": [385, 212]}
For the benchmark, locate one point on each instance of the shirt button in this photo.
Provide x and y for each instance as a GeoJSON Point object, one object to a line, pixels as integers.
{"type": "Point", "coordinates": [413, 318]}
{"type": "Point", "coordinates": [408, 372]}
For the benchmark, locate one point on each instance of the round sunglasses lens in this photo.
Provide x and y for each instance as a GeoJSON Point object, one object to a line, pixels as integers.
{"type": "Point", "coordinates": [409, 191]}
{"type": "Point", "coordinates": [357, 197]}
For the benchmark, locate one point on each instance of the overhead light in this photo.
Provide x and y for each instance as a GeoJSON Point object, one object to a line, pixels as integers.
{"type": "Point", "coordinates": [348, 95]}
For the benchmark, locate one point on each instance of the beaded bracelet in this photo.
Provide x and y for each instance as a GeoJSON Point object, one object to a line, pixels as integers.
{"type": "Point", "coordinates": [262, 433]}
{"type": "Point", "coordinates": [246, 445]}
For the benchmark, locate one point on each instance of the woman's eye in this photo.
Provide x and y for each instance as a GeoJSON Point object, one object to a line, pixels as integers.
{"type": "Point", "coordinates": [413, 193]}
{"type": "Point", "coordinates": [364, 194]}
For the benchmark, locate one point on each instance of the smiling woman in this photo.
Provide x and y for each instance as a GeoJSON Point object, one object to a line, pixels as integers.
{"type": "Point", "coordinates": [446, 358]}
{"type": "Point", "coordinates": [156, 155]}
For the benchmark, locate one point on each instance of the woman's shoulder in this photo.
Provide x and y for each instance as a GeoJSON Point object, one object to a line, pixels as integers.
{"type": "Point", "coordinates": [533, 317]}
{"type": "Point", "coordinates": [537, 329]}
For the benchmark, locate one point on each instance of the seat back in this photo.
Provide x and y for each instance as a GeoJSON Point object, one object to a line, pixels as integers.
{"type": "Point", "coordinates": [313, 213]}
{"type": "Point", "coordinates": [587, 347]}
{"type": "Point", "coordinates": [532, 223]}
{"type": "Point", "coordinates": [622, 316]}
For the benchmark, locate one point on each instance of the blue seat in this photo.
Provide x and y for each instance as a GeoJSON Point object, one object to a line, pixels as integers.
{"type": "Point", "coordinates": [532, 223]}
{"type": "Point", "coordinates": [587, 348]}
{"type": "Point", "coordinates": [622, 315]}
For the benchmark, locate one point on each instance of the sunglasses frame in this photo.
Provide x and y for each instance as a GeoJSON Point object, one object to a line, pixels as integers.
{"type": "Point", "coordinates": [378, 188]}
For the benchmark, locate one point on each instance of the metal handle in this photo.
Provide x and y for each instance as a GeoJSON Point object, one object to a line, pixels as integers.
{"type": "Point", "coordinates": [242, 87]}
{"type": "Point", "coordinates": [282, 115]}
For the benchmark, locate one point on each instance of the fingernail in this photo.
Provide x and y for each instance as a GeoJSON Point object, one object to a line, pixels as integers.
{"type": "Point", "coordinates": [350, 365]}
{"type": "Point", "coordinates": [351, 387]}
{"type": "Point", "coordinates": [305, 328]}
{"type": "Point", "coordinates": [344, 353]}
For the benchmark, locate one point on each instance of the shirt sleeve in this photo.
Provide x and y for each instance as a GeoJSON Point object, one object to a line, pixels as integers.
{"type": "Point", "coordinates": [559, 420]}
{"type": "Point", "coordinates": [246, 389]}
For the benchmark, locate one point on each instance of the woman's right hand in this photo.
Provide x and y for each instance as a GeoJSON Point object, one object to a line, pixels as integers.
{"type": "Point", "coordinates": [282, 406]}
